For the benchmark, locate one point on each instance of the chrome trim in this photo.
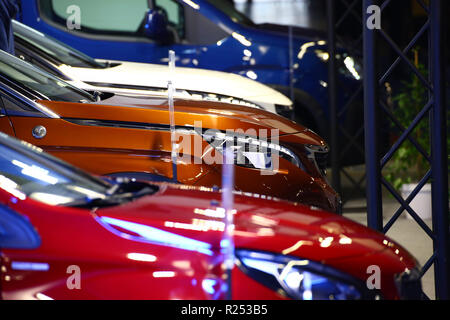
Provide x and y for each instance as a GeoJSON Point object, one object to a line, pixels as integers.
{"type": "Point", "coordinates": [129, 125]}
{"type": "Point", "coordinates": [206, 96]}
{"type": "Point", "coordinates": [50, 65]}
{"type": "Point", "coordinates": [24, 99]}
{"type": "Point", "coordinates": [125, 86]}
{"type": "Point", "coordinates": [39, 132]}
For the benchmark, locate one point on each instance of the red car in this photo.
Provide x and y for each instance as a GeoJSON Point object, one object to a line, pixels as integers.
{"type": "Point", "coordinates": [68, 235]}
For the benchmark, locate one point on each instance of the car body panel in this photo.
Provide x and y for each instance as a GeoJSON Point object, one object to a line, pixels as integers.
{"type": "Point", "coordinates": [108, 149]}
{"type": "Point", "coordinates": [108, 272]}
{"type": "Point", "coordinates": [121, 136]}
{"type": "Point", "coordinates": [5, 124]}
{"type": "Point", "coordinates": [145, 79]}
{"type": "Point", "coordinates": [197, 80]}
{"type": "Point", "coordinates": [257, 52]}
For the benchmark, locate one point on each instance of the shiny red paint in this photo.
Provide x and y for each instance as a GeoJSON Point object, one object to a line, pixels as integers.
{"type": "Point", "coordinates": [72, 236]}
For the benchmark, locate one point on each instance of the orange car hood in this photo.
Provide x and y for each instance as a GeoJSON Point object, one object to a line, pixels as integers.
{"type": "Point", "coordinates": [213, 115]}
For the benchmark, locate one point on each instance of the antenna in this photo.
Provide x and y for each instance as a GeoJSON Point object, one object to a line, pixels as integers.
{"type": "Point", "coordinates": [227, 205]}
{"type": "Point", "coordinates": [170, 91]}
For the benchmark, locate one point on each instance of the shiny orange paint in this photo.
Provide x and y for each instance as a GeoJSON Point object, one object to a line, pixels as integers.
{"type": "Point", "coordinates": [106, 150]}
{"type": "Point", "coordinates": [5, 125]}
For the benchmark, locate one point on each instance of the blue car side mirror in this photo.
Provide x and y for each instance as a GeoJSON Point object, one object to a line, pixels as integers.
{"type": "Point", "coordinates": [156, 25]}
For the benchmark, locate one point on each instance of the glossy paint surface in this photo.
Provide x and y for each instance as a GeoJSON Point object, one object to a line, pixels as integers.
{"type": "Point", "coordinates": [260, 53]}
{"type": "Point", "coordinates": [196, 80]}
{"type": "Point", "coordinates": [131, 78]}
{"type": "Point", "coordinates": [116, 148]}
{"type": "Point", "coordinates": [117, 263]}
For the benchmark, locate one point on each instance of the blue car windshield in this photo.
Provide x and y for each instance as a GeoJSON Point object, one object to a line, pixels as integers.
{"type": "Point", "coordinates": [57, 50]}
{"type": "Point", "coordinates": [26, 171]}
{"type": "Point", "coordinates": [228, 9]}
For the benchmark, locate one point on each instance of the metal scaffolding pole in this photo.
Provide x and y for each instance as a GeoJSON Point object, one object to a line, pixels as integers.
{"type": "Point", "coordinates": [439, 179]}
{"type": "Point", "coordinates": [371, 123]}
{"type": "Point", "coordinates": [332, 91]}
{"type": "Point", "coordinates": [438, 143]}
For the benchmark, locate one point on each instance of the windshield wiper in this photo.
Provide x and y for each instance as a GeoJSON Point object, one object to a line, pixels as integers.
{"type": "Point", "coordinates": [118, 193]}
{"type": "Point", "coordinates": [93, 202]}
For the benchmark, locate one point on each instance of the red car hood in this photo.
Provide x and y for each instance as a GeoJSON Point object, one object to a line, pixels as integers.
{"type": "Point", "coordinates": [275, 226]}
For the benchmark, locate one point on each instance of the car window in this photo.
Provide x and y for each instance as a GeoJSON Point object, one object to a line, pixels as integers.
{"type": "Point", "coordinates": [200, 30]}
{"type": "Point", "coordinates": [173, 10]}
{"type": "Point", "coordinates": [17, 108]}
{"type": "Point", "coordinates": [189, 24]}
{"type": "Point", "coordinates": [53, 49]}
{"type": "Point", "coordinates": [175, 15]}
{"type": "Point", "coordinates": [114, 17]}
{"type": "Point", "coordinates": [41, 177]}
{"type": "Point", "coordinates": [228, 9]}
{"type": "Point", "coordinates": [2, 107]}
{"type": "Point", "coordinates": [24, 76]}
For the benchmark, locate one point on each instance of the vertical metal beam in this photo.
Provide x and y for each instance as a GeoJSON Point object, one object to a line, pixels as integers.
{"type": "Point", "coordinates": [332, 93]}
{"type": "Point", "coordinates": [373, 170]}
{"type": "Point", "coordinates": [439, 155]}
{"type": "Point", "coordinates": [291, 68]}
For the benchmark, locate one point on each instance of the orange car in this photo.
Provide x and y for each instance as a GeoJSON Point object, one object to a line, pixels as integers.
{"type": "Point", "coordinates": [130, 136]}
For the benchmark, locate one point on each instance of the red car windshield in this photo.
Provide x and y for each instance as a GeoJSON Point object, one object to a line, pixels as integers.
{"type": "Point", "coordinates": [26, 171]}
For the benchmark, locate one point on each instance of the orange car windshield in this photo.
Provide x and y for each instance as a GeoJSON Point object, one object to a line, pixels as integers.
{"type": "Point", "coordinates": [38, 82]}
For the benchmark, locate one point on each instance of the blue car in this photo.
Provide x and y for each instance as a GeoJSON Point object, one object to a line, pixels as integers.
{"type": "Point", "coordinates": [209, 34]}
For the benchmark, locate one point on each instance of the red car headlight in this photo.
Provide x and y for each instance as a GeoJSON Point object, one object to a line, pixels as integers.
{"type": "Point", "coordinates": [301, 279]}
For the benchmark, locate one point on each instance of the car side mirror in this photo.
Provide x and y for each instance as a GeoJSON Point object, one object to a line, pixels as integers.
{"type": "Point", "coordinates": [16, 232]}
{"type": "Point", "coordinates": [156, 26]}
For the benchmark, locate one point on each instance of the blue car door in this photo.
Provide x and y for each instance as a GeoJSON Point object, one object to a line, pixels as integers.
{"type": "Point", "coordinates": [116, 30]}
{"type": "Point", "coordinates": [107, 29]}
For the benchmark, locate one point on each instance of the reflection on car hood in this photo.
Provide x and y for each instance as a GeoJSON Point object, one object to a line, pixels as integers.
{"type": "Point", "coordinates": [200, 80]}
{"type": "Point", "coordinates": [213, 115]}
{"type": "Point", "coordinates": [269, 225]}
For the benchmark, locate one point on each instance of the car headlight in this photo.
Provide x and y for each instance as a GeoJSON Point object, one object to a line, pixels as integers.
{"type": "Point", "coordinates": [249, 151]}
{"type": "Point", "coordinates": [318, 156]}
{"type": "Point", "coordinates": [300, 279]}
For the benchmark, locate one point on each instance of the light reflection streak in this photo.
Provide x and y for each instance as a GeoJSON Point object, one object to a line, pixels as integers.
{"type": "Point", "coordinates": [154, 235]}
{"type": "Point", "coordinates": [141, 257]}
{"type": "Point", "coordinates": [163, 274]}
{"type": "Point", "coordinates": [11, 187]}
{"type": "Point", "coordinates": [35, 172]}
{"type": "Point", "coordinates": [325, 243]}
{"type": "Point", "coordinates": [197, 225]}
{"type": "Point", "coordinates": [192, 4]}
{"type": "Point", "coordinates": [296, 246]}
{"type": "Point", "coordinates": [241, 39]}
{"type": "Point", "coordinates": [41, 296]}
